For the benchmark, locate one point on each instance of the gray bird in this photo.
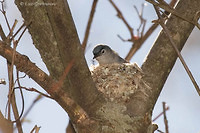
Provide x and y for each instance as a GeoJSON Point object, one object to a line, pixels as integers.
{"type": "Point", "coordinates": [105, 55]}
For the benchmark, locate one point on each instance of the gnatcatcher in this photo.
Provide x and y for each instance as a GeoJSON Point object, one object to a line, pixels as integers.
{"type": "Point", "coordinates": [105, 55]}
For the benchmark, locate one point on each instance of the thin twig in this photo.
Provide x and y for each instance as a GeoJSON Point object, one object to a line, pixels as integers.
{"type": "Point", "coordinates": [34, 90]}
{"type": "Point", "coordinates": [10, 77]}
{"type": "Point", "coordinates": [167, 32]}
{"type": "Point", "coordinates": [85, 40]}
{"type": "Point", "coordinates": [11, 84]}
{"type": "Point", "coordinates": [166, 7]}
{"type": "Point", "coordinates": [36, 129]}
{"type": "Point", "coordinates": [139, 42]}
{"type": "Point", "coordinates": [142, 20]}
{"type": "Point", "coordinates": [2, 34]}
{"type": "Point", "coordinates": [12, 29]}
{"type": "Point", "coordinates": [23, 31]}
{"type": "Point", "coordinates": [18, 31]}
{"type": "Point", "coordinates": [165, 118]}
{"type": "Point", "coordinates": [22, 96]}
{"type": "Point", "coordinates": [159, 131]}
{"type": "Point", "coordinates": [167, 108]}
{"type": "Point", "coordinates": [120, 15]}
{"type": "Point", "coordinates": [134, 39]}
{"type": "Point", "coordinates": [19, 78]}
{"type": "Point", "coordinates": [11, 95]}
{"type": "Point", "coordinates": [39, 97]}
{"type": "Point", "coordinates": [123, 40]}
{"type": "Point", "coordinates": [4, 14]}
{"type": "Point", "coordinates": [75, 111]}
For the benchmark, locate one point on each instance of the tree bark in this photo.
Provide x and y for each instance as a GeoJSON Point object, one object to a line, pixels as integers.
{"type": "Point", "coordinates": [162, 56]}
{"type": "Point", "coordinates": [54, 35]}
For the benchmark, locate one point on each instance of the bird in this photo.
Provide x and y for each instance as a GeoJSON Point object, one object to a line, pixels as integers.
{"type": "Point", "coordinates": [105, 55]}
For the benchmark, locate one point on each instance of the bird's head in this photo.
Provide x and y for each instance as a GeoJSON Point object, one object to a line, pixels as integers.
{"type": "Point", "coordinates": [105, 55]}
{"type": "Point", "coordinates": [102, 53]}
{"type": "Point", "coordinates": [101, 50]}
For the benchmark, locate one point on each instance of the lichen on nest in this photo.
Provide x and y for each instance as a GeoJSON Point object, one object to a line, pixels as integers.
{"type": "Point", "coordinates": [117, 81]}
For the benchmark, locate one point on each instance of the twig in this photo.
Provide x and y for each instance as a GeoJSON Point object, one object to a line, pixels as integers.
{"type": "Point", "coordinates": [85, 40]}
{"type": "Point", "coordinates": [34, 90]}
{"type": "Point", "coordinates": [167, 32]}
{"type": "Point", "coordinates": [18, 31]}
{"type": "Point", "coordinates": [74, 110]}
{"type": "Point", "coordinates": [11, 30]}
{"type": "Point", "coordinates": [20, 78]}
{"type": "Point", "coordinates": [120, 15]}
{"type": "Point", "coordinates": [159, 131]}
{"type": "Point", "coordinates": [11, 84]}
{"type": "Point", "coordinates": [166, 7]}
{"type": "Point", "coordinates": [128, 40]}
{"type": "Point", "coordinates": [134, 39]}
{"type": "Point", "coordinates": [4, 13]}
{"type": "Point", "coordinates": [22, 96]}
{"type": "Point", "coordinates": [165, 118]}
{"type": "Point", "coordinates": [167, 108]}
{"type": "Point", "coordinates": [39, 97]}
{"type": "Point", "coordinates": [10, 77]}
{"type": "Point", "coordinates": [142, 21]}
{"type": "Point", "coordinates": [30, 107]}
{"type": "Point", "coordinates": [11, 95]}
{"type": "Point", "coordinates": [36, 129]}
{"type": "Point", "coordinates": [2, 34]}
{"type": "Point", "coordinates": [23, 31]}
{"type": "Point", "coordinates": [139, 43]}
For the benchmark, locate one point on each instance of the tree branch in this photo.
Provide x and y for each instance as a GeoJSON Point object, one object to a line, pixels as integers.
{"type": "Point", "coordinates": [120, 15]}
{"type": "Point", "coordinates": [141, 40]}
{"type": "Point", "coordinates": [85, 40]}
{"type": "Point", "coordinates": [5, 125]}
{"type": "Point", "coordinates": [167, 32]}
{"type": "Point", "coordinates": [166, 7]}
{"type": "Point", "coordinates": [56, 39]}
{"type": "Point", "coordinates": [165, 118]}
{"type": "Point", "coordinates": [162, 56]}
{"type": "Point", "coordinates": [23, 64]}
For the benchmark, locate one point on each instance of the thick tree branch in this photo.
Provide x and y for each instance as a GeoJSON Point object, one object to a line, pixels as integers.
{"type": "Point", "coordinates": [167, 32]}
{"type": "Point", "coordinates": [162, 56]}
{"type": "Point", "coordinates": [54, 35]}
{"type": "Point", "coordinates": [23, 64]}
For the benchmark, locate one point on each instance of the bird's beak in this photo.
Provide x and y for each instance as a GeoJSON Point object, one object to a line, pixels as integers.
{"type": "Point", "coordinates": [95, 56]}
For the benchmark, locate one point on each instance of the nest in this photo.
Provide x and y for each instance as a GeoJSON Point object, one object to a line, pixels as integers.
{"type": "Point", "coordinates": [117, 81]}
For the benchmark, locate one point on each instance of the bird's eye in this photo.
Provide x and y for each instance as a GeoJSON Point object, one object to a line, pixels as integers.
{"type": "Point", "coordinates": [102, 51]}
